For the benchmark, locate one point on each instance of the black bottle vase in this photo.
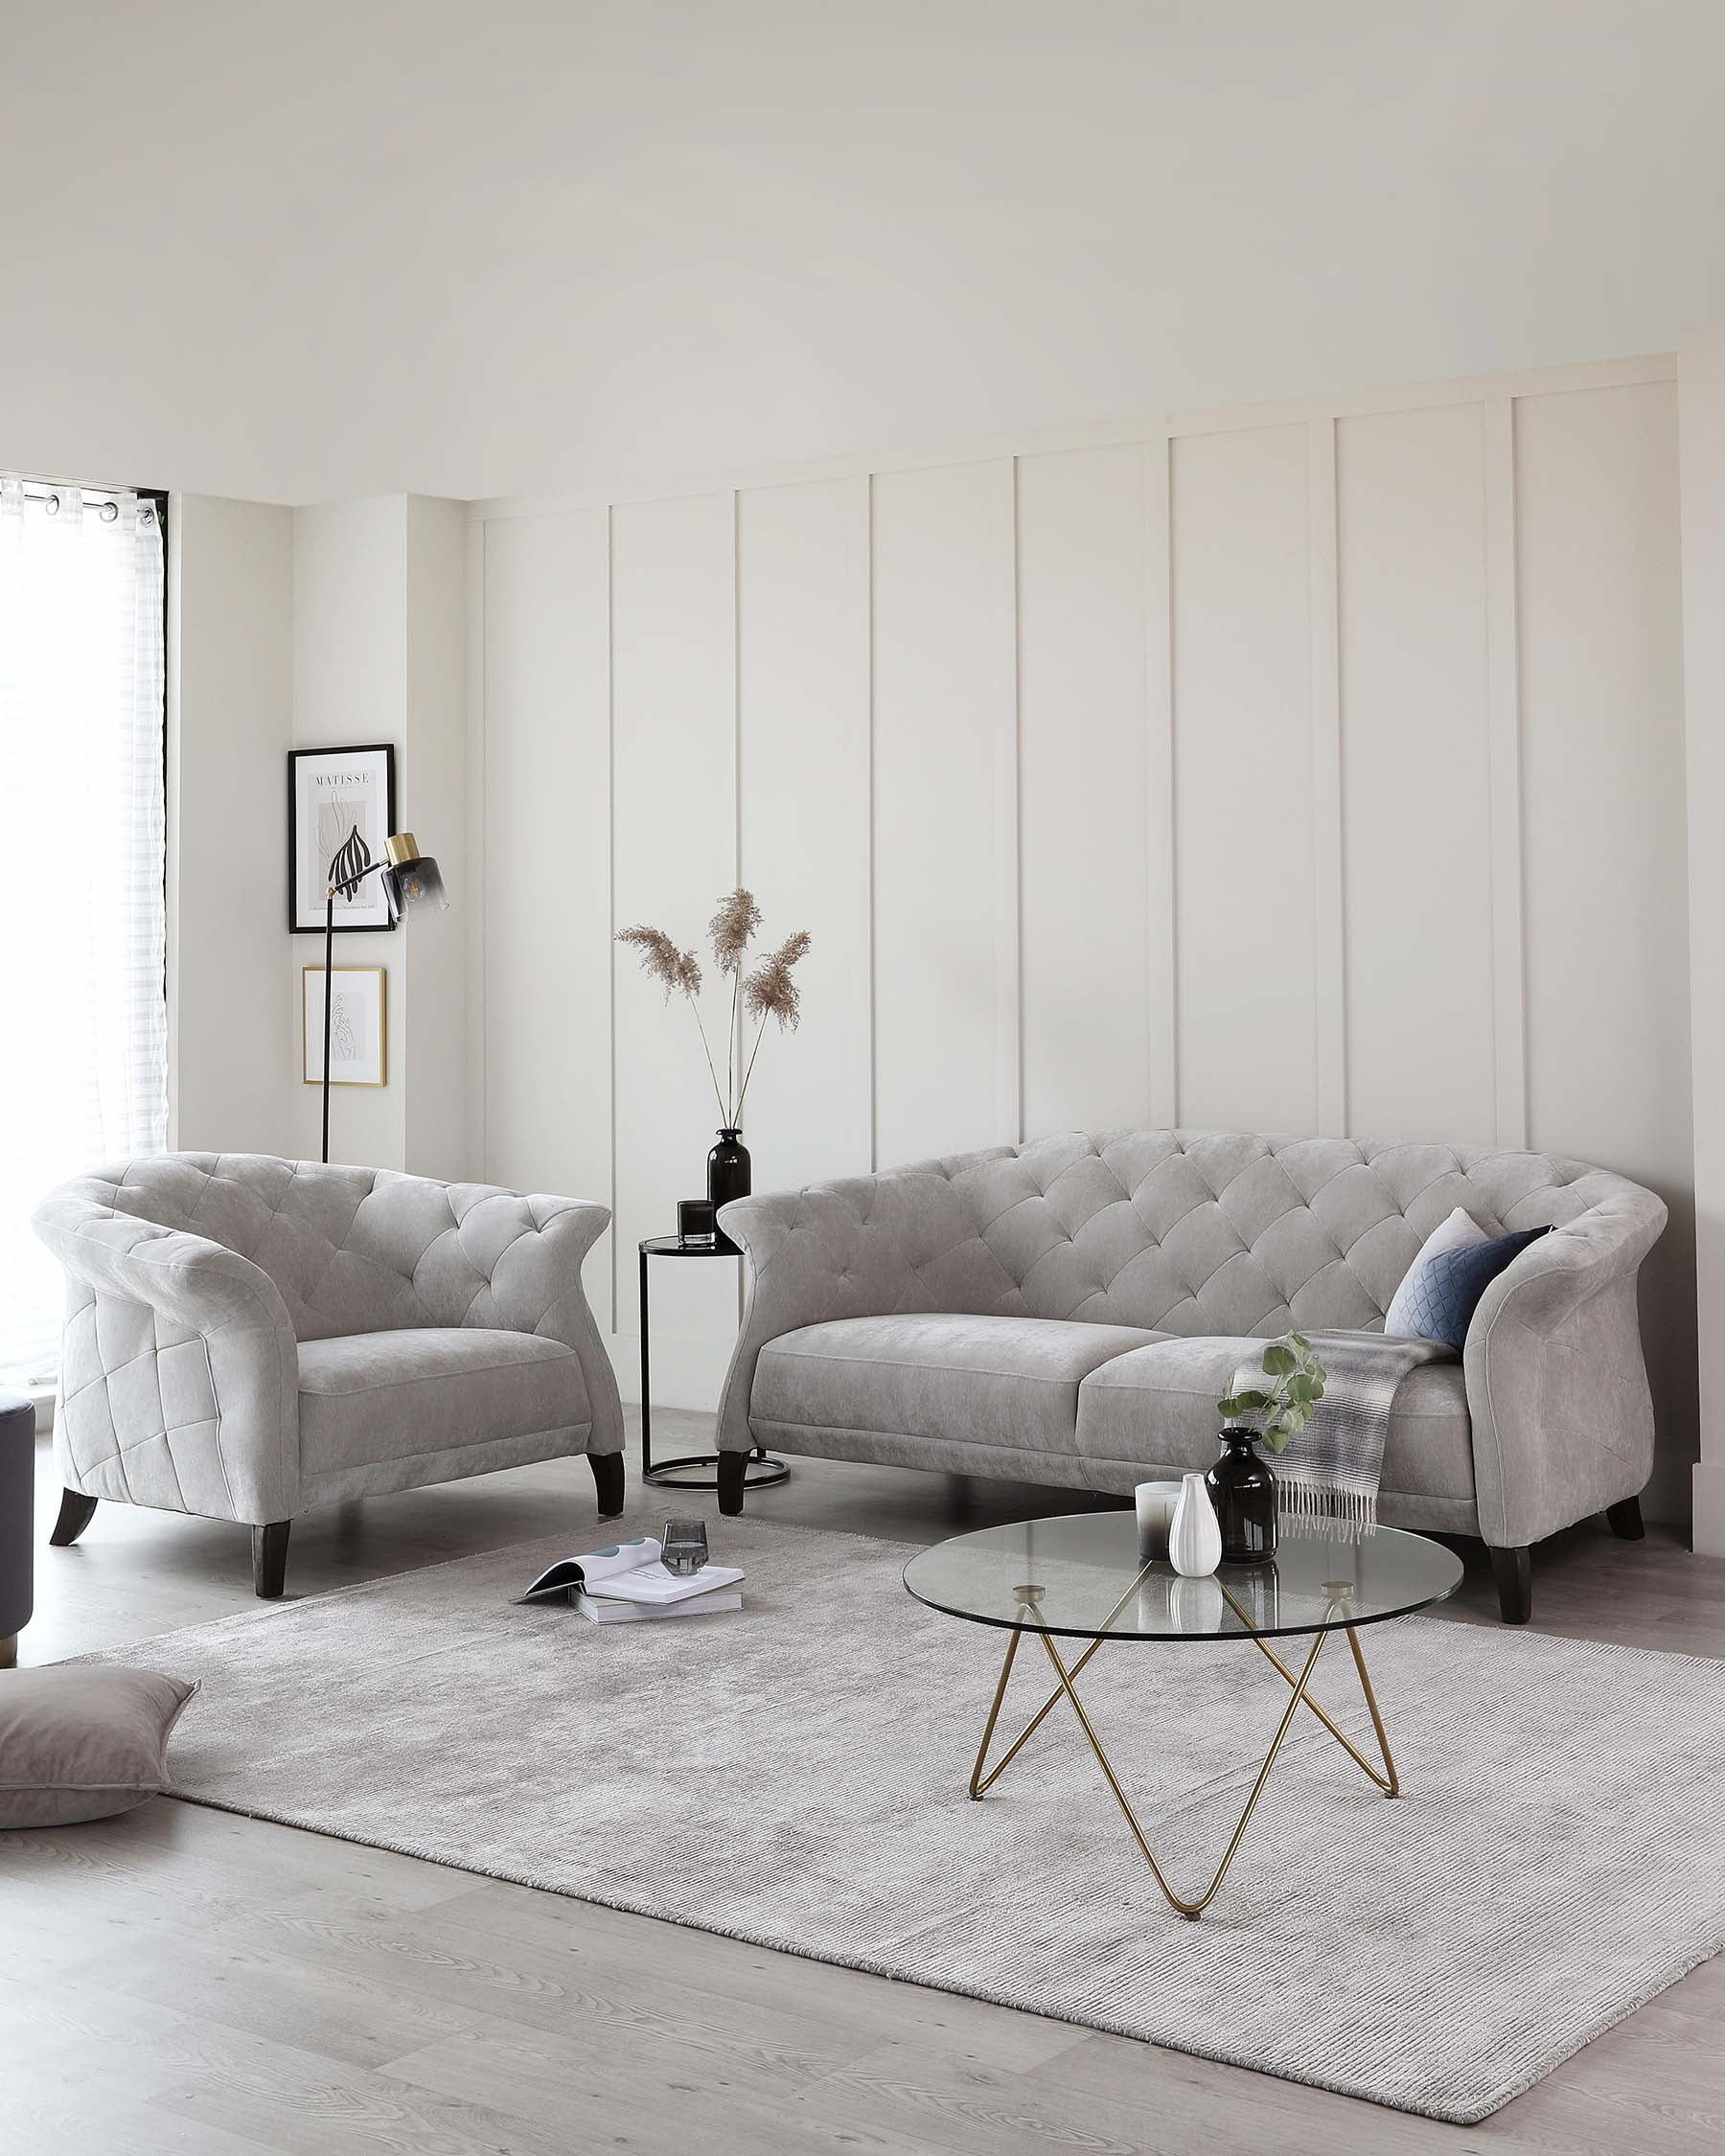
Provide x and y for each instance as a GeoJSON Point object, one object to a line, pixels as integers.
{"type": "Point", "coordinates": [1243, 1491]}
{"type": "Point", "coordinates": [727, 1176]}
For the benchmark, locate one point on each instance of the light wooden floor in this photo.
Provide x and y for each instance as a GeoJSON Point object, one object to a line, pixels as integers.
{"type": "Point", "coordinates": [183, 1981]}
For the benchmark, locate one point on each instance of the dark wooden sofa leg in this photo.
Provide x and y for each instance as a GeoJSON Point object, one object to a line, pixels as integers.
{"type": "Point", "coordinates": [733, 1470]}
{"type": "Point", "coordinates": [75, 1513]}
{"type": "Point", "coordinates": [1626, 1520]}
{"type": "Point", "coordinates": [608, 1481]}
{"type": "Point", "coordinates": [269, 1559]}
{"type": "Point", "coordinates": [1514, 1569]}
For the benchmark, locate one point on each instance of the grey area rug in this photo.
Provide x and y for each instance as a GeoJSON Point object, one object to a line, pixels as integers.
{"type": "Point", "coordinates": [794, 1774]}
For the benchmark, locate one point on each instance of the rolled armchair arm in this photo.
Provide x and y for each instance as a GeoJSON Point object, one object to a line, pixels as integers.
{"type": "Point", "coordinates": [863, 1248]}
{"type": "Point", "coordinates": [536, 1285]}
{"type": "Point", "coordinates": [179, 1374]}
{"type": "Point", "coordinates": [1556, 1382]}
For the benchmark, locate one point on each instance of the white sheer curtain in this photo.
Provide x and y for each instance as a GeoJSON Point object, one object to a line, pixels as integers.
{"type": "Point", "coordinates": [84, 1064]}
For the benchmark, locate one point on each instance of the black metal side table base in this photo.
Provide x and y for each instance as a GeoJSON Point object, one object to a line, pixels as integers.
{"type": "Point", "coordinates": [761, 1473]}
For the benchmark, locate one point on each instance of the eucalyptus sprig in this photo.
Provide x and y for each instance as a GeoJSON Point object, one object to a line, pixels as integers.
{"type": "Point", "coordinates": [1276, 1414]}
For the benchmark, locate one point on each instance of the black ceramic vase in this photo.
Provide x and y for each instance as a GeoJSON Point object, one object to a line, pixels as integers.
{"type": "Point", "coordinates": [1243, 1491]}
{"type": "Point", "coordinates": [727, 1176]}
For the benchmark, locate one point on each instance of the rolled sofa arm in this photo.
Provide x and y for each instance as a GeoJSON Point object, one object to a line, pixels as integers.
{"type": "Point", "coordinates": [180, 1371]}
{"type": "Point", "coordinates": [863, 1247]}
{"type": "Point", "coordinates": [536, 1286]}
{"type": "Point", "coordinates": [1556, 1381]}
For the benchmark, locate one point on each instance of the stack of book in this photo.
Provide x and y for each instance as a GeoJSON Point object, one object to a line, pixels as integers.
{"type": "Point", "coordinates": [628, 1581]}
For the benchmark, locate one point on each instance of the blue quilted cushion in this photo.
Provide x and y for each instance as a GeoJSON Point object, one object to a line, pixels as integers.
{"type": "Point", "coordinates": [1444, 1292]}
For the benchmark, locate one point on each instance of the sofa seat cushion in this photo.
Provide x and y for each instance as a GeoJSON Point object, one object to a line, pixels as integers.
{"type": "Point", "coordinates": [1011, 1382]}
{"type": "Point", "coordinates": [1159, 1407]}
{"type": "Point", "coordinates": [366, 1397]}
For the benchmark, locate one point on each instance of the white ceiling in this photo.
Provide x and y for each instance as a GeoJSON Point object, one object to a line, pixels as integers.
{"type": "Point", "coordinates": [307, 250]}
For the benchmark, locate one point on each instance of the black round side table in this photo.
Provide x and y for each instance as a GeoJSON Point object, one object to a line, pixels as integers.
{"type": "Point", "coordinates": [761, 1473]}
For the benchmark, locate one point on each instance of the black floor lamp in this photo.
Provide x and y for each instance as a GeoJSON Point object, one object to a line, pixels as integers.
{"type": "Point", "coordinates": [411, 883]}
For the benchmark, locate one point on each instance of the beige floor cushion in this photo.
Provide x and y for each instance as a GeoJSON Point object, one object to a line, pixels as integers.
{"type": "Point", "coordinates": [78, 1744]}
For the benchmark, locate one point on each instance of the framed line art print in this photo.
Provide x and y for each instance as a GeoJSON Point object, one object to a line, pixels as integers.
{"type": "Point", "coordinates": [359, 1027]}
{"type": "Point", "coordinates": [341, 807]}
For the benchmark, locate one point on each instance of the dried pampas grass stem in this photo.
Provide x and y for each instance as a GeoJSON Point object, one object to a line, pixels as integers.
{"type": "Point", "coordinates": [732, 930]}
{"type": "Point", "coordinates": [678, 973]}
{"type": "Point", "coordinates": [771, 991]}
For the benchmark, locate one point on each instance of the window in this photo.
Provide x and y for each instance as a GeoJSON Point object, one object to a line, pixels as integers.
{"type": "Point", "coordinates": [83, 1070]}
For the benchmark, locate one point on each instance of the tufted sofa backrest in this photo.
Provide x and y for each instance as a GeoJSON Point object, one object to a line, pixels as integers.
{"type": "Point", "coordinates": [350, 1250]}
{"type": "Point", "coordinates": [1182, 1231]}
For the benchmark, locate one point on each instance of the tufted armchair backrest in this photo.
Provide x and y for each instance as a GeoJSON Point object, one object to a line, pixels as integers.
{"type": "Point", "coordinates": [350, 1250]}
{"type": "Point", "coordinates": [1181, 1231]}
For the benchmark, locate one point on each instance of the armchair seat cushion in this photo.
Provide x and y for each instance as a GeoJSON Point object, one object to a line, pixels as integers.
{"type": "Point", "coordinates": [1010, 1382]}
{"type": "Point", "coordinates": [1158, 1406]}
{"type": "Point", "coordinates": [365, 1398]}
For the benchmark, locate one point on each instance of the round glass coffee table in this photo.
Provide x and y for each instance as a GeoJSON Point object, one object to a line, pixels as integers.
{"type": "Point", "coordinates": [1079, 1577]}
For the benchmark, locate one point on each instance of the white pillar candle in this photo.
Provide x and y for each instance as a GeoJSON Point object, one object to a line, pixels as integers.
{"type": "Point", "coordinates": [1155, 1502]}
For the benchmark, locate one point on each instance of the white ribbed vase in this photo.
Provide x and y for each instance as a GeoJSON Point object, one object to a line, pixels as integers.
{"type": "Point", "coordinates": [1195, 1539]}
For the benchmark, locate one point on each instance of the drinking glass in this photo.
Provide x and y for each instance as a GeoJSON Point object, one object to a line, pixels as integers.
{"type": "Point", "coordinates": [684, 1547]}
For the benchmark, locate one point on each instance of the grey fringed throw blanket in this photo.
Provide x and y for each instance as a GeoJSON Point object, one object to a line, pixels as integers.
{"type": "Point", "coordinates": [1328, 1476]}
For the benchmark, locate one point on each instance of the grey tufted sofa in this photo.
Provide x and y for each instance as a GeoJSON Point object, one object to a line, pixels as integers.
{"type": "Point", "coordinates": [1070, 1311]}
{"type": "Point", "coordinates": [247, 1337]}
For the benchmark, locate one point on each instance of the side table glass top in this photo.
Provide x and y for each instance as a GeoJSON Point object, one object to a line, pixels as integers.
{"type": "Point", "coordinates": [1087, 1583]}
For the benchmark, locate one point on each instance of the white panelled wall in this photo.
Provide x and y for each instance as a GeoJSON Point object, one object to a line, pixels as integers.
{"type": "Point", "coordinates": [1312, 768]}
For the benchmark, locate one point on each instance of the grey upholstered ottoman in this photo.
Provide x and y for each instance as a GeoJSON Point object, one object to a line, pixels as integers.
{"type": "Point", "coordinates": [17, 1520]}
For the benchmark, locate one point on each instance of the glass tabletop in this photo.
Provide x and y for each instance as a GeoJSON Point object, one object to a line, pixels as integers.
{"type": "Point", "coordinates": [1079, 1576]}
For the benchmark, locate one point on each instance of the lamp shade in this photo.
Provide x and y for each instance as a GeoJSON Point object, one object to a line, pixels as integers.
{"type": "Point", "coordinates": [412, 880]}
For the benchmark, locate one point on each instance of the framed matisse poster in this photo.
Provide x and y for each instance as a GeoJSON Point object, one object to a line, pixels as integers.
{"type": "Point", "coordinates": [357, 1029]}
{"type": "Point", "coordinates": [341, 807]}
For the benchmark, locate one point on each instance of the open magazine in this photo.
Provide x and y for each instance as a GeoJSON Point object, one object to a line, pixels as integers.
{"type": "Point", "coordinates": [627, 1581]}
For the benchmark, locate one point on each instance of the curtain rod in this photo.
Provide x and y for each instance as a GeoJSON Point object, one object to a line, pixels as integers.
{"type": "Point", "coordinates": [99, 498]}
{"type": "Point", "coordinates": [38, 486]}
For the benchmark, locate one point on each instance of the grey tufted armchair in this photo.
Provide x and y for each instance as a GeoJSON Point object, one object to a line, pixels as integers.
{"type": "Point", "coordinates": [247, 1337]}
{"type": "Point", "coordinates": [1070, 1311]}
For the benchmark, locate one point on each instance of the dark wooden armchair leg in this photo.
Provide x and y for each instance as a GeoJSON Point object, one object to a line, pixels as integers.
{"type": "Point", "coordinates": [1514, 1569]}
{"type": "Point", "coordinates": [733, 1469]}
{"type": "Point", "coordinates": [75, 1513]}
{"type": "Point", "coordinates": [269, 1559]}
{"type": "Point", "coordinates": [1626, 1520]}
{"type": "Point", "coordinates": [608, 1481]}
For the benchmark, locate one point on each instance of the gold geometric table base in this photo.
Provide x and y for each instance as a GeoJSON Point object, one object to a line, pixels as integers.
{"type": "Point", "coordinates": [1030, 1617]}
